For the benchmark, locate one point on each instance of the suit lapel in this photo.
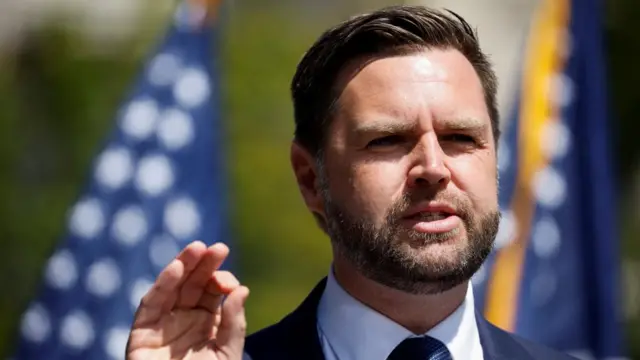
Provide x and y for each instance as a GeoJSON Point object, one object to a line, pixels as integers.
{"type": "Point", "coordinates": [498, 344]}
{"type": "Point", "coordinates": [490, 349]}
{"type": "Point", "coordinates": [300, 328]}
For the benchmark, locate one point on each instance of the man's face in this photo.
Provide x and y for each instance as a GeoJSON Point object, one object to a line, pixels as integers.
{"type": "Point", "coordinates": [409, 177]}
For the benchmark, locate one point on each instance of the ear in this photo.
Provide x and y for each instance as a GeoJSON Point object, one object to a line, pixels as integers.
{"type": "Point", "coordinates": [306, 173]}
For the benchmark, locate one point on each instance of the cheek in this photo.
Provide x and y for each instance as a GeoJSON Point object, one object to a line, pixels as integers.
{"type": "Point", "coordinates": [373, 188]}
{"type": "Point", "coordinates": [476, 175]}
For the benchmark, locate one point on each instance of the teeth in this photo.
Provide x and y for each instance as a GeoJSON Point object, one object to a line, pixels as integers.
{"type": "Point", "coordinates": [431, 216]}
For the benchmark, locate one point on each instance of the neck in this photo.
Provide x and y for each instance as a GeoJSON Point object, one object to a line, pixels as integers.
{"type": "Point", "coordinates": [417, 313]}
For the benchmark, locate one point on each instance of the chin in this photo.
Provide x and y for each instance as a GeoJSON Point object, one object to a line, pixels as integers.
{"type": "Point", "coordinates": [434, 258]}
{"type": "Point", "coordinates": [440, 258]}
{"type": "Point", "coordinates": [422, 280]}
{"type": "Point", "coordinates": [421, 240]}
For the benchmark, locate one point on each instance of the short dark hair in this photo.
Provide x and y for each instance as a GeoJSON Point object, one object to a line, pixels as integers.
{"type": "Point", "coordinates": [392, 30]}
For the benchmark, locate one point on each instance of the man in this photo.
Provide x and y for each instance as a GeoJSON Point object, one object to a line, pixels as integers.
{"type": "Point", "coordinates": [395, 155]}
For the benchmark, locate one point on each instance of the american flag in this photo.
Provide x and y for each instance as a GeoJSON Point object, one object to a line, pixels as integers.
{"type": "Point", "coordinates": [554, 277]}
{"type": "Point", "coordinates": [157, 184]}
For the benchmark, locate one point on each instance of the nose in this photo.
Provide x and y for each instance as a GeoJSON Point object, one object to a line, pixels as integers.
{"type": "Point", "coordinates": [428, 166]}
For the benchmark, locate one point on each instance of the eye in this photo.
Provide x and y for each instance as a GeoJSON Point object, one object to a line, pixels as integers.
{"type": "Point", "coordinates": [385, 141]}
{"type": "Point", "coordinates": [459, 138]}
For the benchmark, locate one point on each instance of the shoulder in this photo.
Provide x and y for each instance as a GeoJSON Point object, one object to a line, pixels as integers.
{"type": "Point", "coordinates": [293, 337]}
{"type": "Point", "coordinates": [539, 351]}
{"type": "Point", "coordinates": [512, 346]}
{"type": "Point", "coordinates": [264, 344]}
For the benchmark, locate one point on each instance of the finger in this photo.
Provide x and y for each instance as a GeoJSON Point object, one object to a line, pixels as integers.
{"type": "Point", "coordinates": [192, 254]}
{"type": "Point", "coordinates": [210, 302]}
{"type": "Point", "coordinates": [222, 283]}
{"type": "Point", "coordinates": [151, 306]}
{"type": "Point", "coordinates": [173, 274]}
{"type": "Point", "coordinates": [192, 289]}
{"type": "Point", "coordinates": [233, 325]}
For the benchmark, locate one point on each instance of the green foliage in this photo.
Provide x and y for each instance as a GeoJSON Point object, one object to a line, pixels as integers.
{"type": "Point", "coordinates": [56, 108]}
{"type": "Point", "coordinates": [282, 252]}
{"type": "Point", "coordinates": [623, 53]}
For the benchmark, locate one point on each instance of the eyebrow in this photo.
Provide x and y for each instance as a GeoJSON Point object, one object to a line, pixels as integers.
{"type": "Point", "coordinates": [391, 127]}
{"type": "Point", "coordinates": [464, 124]}
{"type": "Point", "coordinates": [383, 127]}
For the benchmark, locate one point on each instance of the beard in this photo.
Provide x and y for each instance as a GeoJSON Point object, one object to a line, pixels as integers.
{"type": "Point", "coordinates": [398, 257]}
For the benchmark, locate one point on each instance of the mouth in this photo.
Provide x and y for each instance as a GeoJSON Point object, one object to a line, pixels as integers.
{"type": "Point", "coordinates": [433, 220]}
{"type": "Point", "coordinates": [429, 216]}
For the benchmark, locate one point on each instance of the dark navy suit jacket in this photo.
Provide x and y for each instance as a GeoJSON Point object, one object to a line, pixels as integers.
{"type": "Point", "coordinates": [296, 338]}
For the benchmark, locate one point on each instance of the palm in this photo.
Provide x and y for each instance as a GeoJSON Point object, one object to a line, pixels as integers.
{"type": "Point", "coordinates": [183, 334]}
{"type": "Point", "coordinates": [182, 316]}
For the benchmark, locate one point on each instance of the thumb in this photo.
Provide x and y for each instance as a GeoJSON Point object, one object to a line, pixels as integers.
{"type": "Point", "coordinates": [233, 325]}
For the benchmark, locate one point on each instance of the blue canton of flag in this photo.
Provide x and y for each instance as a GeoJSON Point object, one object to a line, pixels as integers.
{"type": "Point", "coordinates": [157, 184]}
{"type": "Point", "coordinates": [554, 275]}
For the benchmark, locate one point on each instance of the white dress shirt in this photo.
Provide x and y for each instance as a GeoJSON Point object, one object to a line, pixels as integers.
{"type": "Point", "coordinates": [350, 330]}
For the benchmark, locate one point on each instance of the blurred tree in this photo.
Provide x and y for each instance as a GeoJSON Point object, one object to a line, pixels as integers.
{"type": "Point", "coordinates": [623, 47]}
{"type": "Point", "coordinates": [276, 234]}
{"type": "Point", "coordinates": [56, 108]}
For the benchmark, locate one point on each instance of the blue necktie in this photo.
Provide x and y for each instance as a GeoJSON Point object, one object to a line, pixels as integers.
{"type": "Point", "coordinates": [420, 348]}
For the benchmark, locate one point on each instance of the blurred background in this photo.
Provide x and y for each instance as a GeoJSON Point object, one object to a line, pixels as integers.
{"type": "Point", "coordinates": [66, 66]}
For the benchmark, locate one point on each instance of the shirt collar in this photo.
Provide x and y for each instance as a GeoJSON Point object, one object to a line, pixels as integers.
{"type": "Point", "coordinates": [355, 331]}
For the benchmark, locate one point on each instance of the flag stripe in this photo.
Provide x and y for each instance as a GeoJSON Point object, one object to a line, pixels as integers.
{"type": "Point", "coordinates": [537, 110]}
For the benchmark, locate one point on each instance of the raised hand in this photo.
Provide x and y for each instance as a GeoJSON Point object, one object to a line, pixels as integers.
{"type": "Point", "coordinates": [184, 316]}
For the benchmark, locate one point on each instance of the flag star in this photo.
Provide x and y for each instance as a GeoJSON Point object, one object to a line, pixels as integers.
{"type": "Point", "coordinates": [550, 187]}
{"type": "Point", "coordinates": [36, 323]}
{"type": "Point", "coordinates": [116, 342]}
{"type": "Point", "coordinates": [62, 270]}
{"type": "Point", "coordinates": [561, 90]}
{"type": "Point", "coordinates": [192, 88]}
{"type": "Point", "coordinates": [154, 175]}
{"type": "Point", "coordinates": [138, 289]}
{"type": "Point", "coordinates": [103, 278]}
{"type": "Point", "coordinates": [130, 225]}
{"type": "Point", "coordinates": [555, 139]}
{"type": "Point", "coordinates": [77, 330]}
{"type": "Point", "coordinates": [162, 250]}
{"type": "Point", "coordinates": [114, 168]}
{"type": "Point", "coordinates": [182, 218]}
{"type": "Point", "coordinates": [546, 238]}
{"type": "Point", "coordinates": [164, 69]}
{"type": "Point", "coordinates": [87, 218]}
{"type": "Point", "coordinates": [140, 119]}
{"type": "Point", "coordinates": [175, 129]}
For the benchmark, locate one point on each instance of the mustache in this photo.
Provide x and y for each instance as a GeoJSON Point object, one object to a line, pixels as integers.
{"type": "Point", "coordinates": [461, 204]}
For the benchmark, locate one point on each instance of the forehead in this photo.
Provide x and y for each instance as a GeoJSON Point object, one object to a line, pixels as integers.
{"type": "Point", "coordinates": [437, 84]}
